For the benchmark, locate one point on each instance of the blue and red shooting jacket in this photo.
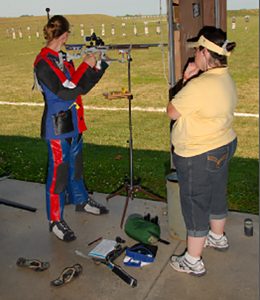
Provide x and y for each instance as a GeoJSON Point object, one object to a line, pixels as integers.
{"type": "Point", "coordinates": [62, 86]}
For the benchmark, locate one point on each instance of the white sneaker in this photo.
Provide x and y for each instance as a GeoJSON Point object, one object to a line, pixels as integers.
{"type": "Point", "coordinates": [220, 244]}
{"type": "Point", "coordinates": [181, 264]}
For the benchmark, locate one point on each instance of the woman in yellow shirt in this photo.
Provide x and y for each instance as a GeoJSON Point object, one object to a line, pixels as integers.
{"type": "Point", "coordinates": [204, 141]}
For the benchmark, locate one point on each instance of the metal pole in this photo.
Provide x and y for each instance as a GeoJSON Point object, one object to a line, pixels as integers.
{"type": "Point", "coordinates": [129, 59]}
{"type": "Point", "coordinates": [171, 43]}
{"type": "Point", "coordinates": [171, 61]}
{"type": "Point", "coordinates": [217, 14]}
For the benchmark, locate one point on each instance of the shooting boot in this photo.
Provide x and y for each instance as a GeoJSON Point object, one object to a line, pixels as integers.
{"type": "Point", "coordinates": [92, 207]}
{"type": "Point", "coordinates": [62, 231]}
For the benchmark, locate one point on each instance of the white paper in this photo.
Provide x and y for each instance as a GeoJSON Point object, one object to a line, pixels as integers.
{"type": "Point", "coordinates": [103, 249]}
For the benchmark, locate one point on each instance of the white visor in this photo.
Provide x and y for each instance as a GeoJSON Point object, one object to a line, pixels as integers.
{"type": "Point", "coordinates": [202, 41]}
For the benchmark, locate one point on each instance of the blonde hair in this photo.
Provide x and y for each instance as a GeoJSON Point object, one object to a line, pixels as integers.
{"type": "Point", "coordinates": [55, 27]}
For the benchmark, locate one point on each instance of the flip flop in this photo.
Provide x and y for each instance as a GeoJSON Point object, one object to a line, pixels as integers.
{"type": "Point", "coordinates": [34, 264]}
{"type": "Point", "coordinates": [67, 275]}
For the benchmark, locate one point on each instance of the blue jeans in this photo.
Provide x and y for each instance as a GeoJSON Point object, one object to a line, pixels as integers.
{"type": "Point", "coordinates": [203, 187]}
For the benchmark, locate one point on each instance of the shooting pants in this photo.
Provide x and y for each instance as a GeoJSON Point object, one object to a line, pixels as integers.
{"type": "Point", "coordinates": [65, 175]}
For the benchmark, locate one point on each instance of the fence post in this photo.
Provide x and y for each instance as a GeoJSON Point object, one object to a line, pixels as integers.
{"type": "Point", "coordinates": [92, 29]}
{"type": "Point", "coordinates": [247, 18]}
{"type": "Point", "coordinates": [13, 34]}
{"type": "Point", "coordinates": [82, 33]}
{"type": "Point", "coordinates": [37, 33]}
{"type": "Point", "coordinates": [158, 28]}
{"type": "Point", "coordinates": [146, 30]}
{"type": "Point", "coordinates": [233, 23]}
{"type": "Point", "coordinates": [123, 30]}
{"type": "Point", "coordinates": [29, 33]}
{"type": "Point", "coordinates": [135, 29]}
{"type": "Point", "coordinates": [103, 29]}
{"type": "Point", "coordinates": [113, 30]}
{"type": "Point", "coordinates": [20, 33]}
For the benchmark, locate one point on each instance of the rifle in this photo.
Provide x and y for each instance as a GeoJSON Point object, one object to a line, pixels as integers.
{"type": "Point", "coordinates": [95, 44]}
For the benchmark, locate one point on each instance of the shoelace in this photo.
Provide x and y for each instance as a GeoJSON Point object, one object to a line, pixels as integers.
{"type": "Point", "coordinates": [65, 226]}
{"type": "Point", "coordinates": [183, 262]}
{"type": "Point", "coordinates": [94, 203]}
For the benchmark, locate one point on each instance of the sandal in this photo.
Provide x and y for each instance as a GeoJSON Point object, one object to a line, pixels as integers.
{"type": "Point", "coordinates": [67, 275]}
{"type": "Point", "coordinates": [34, 264]}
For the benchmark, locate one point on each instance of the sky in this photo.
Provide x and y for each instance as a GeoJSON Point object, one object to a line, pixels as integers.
{"type": "Point", "coordinates": [16, 8]}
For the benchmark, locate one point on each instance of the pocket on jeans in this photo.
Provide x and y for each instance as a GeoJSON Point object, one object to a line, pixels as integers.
{"type": "Point", "coordinates": [217, 158]}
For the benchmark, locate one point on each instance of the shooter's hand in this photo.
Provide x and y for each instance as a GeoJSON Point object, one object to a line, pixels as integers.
{"type": "Point", "coordinates": [102, 55]}
{"type": "Point", "coordinates": [90, 59]}
{"type": "Point", "coordinates": [107, 59]}
{"type": "Point", "coordinates": [191, 70]}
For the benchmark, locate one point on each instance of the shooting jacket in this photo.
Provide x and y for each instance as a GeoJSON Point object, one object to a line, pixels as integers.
{"type": "Point", "coordinates": [62, 86]}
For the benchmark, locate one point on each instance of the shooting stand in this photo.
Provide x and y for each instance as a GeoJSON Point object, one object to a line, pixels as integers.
{"type": "Point", "coordinates": [130, 187]}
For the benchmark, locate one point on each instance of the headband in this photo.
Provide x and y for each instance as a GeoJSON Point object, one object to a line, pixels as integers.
{"type": "Point", "coordinates": [202, 41]}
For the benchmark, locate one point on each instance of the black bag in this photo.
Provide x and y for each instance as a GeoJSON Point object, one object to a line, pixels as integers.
{"type": "Point", "coordinates": [62, 122]}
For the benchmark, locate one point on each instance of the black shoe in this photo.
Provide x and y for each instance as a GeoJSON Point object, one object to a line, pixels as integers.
{"type": "Point", "coordinates": [62, 231]}
{"type": "Point", "coordinates": [92, 207]}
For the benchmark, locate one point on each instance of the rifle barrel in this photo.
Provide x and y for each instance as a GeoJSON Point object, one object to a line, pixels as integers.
{"type": "Point", "coordinates": [133, 46]}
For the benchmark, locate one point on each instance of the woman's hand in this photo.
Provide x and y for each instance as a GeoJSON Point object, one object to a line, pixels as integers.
{"type": "Point", "coordinates": [191, 70]}
{"type": "Point", "coordinates": [90, 59]}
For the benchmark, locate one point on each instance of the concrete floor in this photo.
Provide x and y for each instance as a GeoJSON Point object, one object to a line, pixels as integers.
{"type": "Point", "coordinates": [231, 275]}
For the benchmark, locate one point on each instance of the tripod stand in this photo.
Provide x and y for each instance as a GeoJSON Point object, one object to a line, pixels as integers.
{"type": "Point", "coordinates": [130, 186]}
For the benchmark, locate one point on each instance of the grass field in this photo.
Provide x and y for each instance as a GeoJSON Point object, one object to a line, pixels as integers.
{"type": "Point", "coordinates": [24, 155]}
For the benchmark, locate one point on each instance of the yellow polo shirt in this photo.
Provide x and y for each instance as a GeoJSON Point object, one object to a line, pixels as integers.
{"type": "Point", "coordinates": [206, 105]}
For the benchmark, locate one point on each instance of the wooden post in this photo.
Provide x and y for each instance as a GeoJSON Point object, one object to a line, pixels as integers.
{"type": "Point", "coordinates": [189, 17]}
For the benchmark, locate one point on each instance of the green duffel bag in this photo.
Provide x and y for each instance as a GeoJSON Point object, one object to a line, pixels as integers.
{"type": "Point", "coordinates": [142, 230]}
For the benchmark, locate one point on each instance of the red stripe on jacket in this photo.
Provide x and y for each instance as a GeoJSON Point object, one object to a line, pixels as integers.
{"type": "Point", "coordinates": [43, 55]}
